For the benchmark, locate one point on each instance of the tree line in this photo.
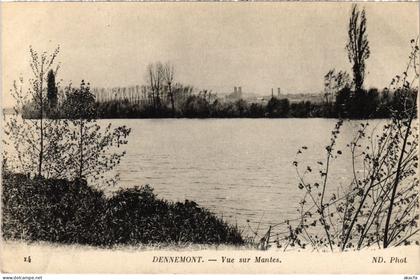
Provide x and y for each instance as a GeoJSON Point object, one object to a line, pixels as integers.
{"type": "Point", "coordinates": [340, 101]}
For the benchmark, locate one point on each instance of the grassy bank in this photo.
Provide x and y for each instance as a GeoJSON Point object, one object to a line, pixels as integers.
{"type": "Point", "coordinates": [71, 212]}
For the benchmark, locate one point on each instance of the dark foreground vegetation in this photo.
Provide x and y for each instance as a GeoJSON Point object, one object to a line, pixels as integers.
{"type": "Point", "coordinates": [70, 212]}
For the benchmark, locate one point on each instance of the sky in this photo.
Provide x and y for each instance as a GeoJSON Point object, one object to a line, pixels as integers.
{"type": "Point", "coordinates": [214, 46]}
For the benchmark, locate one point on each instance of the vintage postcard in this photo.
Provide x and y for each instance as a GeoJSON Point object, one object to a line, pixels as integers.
{"type": "Point", "coordinates": [214, 137]}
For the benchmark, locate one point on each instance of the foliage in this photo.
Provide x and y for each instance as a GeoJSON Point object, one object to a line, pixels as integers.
{"type": "Point", "coordinates": [196, 106]}
{"type": "Point", "coordinates": [334, 82]}
{"type": "Point", "coordinates": [91, 151]}
{"type": "Point", "coordinates": [278, 107]}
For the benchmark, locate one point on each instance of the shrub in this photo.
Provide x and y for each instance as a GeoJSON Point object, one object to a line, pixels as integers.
{"type": "Point", "coordinates": [52, 210]}
{"type": "Point", "coordinates": [56, 210]}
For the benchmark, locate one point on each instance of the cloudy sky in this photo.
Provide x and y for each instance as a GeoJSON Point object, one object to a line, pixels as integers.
{"type": "Point", "coordinates": [212, 45]}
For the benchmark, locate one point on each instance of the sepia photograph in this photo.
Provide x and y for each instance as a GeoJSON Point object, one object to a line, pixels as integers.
{"type": "Point", "coordinates": [204, 137]}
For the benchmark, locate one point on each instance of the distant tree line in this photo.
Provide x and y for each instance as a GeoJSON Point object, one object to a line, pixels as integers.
{"type": "Point", "coordinates": [346, 103]}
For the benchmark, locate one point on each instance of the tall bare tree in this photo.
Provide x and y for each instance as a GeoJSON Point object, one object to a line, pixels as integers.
{"type": "Point", "coordinates": [155, 78]}
{"type": "Point", "coordinates": [358, 46]}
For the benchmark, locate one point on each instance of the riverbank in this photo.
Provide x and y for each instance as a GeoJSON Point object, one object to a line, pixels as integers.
{"type": "Point", "coordinates": [72, 212]}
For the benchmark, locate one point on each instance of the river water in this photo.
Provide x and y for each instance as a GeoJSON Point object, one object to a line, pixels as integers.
{"type": "Point", "coordinates": [240, 169]}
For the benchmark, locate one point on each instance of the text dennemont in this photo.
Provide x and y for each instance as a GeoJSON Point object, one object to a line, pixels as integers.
{"type": "Point", "coordinates": [177, 259]}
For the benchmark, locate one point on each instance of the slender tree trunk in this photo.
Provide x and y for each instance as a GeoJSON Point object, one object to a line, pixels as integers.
{"type": "Point", "coordinates": [41, 144]}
